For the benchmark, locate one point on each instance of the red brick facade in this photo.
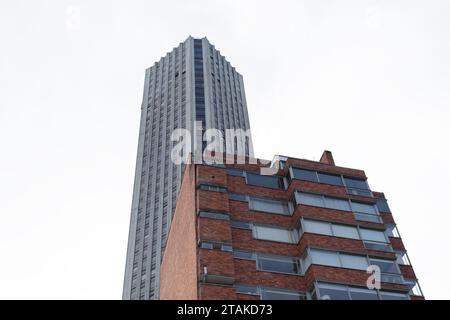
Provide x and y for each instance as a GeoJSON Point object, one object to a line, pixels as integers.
{"type": "Point", "coordinates": [190, 271]}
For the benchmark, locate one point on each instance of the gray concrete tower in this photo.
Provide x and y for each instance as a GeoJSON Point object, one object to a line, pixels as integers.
{"type": "Point", "coordinates": [191, 83]}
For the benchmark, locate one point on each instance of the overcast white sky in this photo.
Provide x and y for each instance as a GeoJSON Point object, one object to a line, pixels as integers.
{"type": "Point", "coordinates": [368, 80]}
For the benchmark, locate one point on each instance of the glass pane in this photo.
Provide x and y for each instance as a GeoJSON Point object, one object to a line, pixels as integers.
{"type": "Point", "coordinates": [414, 288]}
{"type": "Point", "coordinates": [330, 179]}
{"type": "Point", "coordinates": [246, 289]}
{"type": "Point", "coordinates": [393, 296]}
{"type": "Point", "coordinates": [206, 245]}
{"type": "Point", "coordinates": [383, 205]}
{"type": "Point", "coordinates": [274, 234]}
{"type": "Point", "coordinates": [338, 204]}
{"type": "Point", "coordinates": [363, 207]}
{"type": "Point", "coordinates": [345, 231]}
{"type": "Point", "coordinates": [235, 172]}
{"type": "Point", "coordinates": [236, 196]}
{"type": "Point", "coordinates": [385, 266]}
{"type": "Point", "coordinates": [263, 181]}
{"type": "Point", "coordinates": [280, 295]}
{"type": "Point", "coordinates": [243, 255]}
{"type": "Point", "coordinates": [278, 265]}
{"type": "Point", "coordinates": [304, 174]}
{"type": "Point", "coordinates": [326, 258]}
{"type": "Point", "coordinates": [367, 217]}
{"type": "Point", "coordinates": [271, 206]}
{"type": "Point", "coordinates": [402, 258]}
{"type": "Point", "coordinates": [240, 224]}
{"type": "Point", "coordinates": [310, 199]}
{"type": "Point", "coordinates": [372, 235]}
{"type": "Point", "coordinates": [354, 262]}
{"type": "Point", "coordinates": [391, 231]}
{"type": "Point", "coordinates": [356, 183]}
{"type": "Point", "coordinates": [317, 227]}
{"type": "Point", "coordinates": [377, 246]}
{"type": "Point", "coordinates": [331, 292]}
{"type": "Point", "coordinates": [363, 294]}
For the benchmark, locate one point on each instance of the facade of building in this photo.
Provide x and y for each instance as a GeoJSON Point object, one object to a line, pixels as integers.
{"type": "Point", "coordinates": [311, 231]}
{"type": "Point", "coordinates": [192, 84]}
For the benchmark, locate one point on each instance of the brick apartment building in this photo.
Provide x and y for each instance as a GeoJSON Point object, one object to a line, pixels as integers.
{"type": "Point", "coordinates": [308, 232]}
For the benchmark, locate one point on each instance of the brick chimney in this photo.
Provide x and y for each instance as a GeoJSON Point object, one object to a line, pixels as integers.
{"type": "Point", "coordinates": [327, 158]}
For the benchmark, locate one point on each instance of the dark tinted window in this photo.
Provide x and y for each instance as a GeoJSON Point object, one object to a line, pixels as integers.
{"type": "Point", "coordinates": [240, 224]}
{"type": "Point", "coordinates": [303, 174]}
{"type": "Point", "coordinates": [245, 289]}
{"type": "Point", "coordinates": [383, 205]}
{"type": "Point", "coordinates": [234, 172]}
{"type": "Point", "coordinates": [356, 183]}
{"type": "Point", "coordinates": [285, 265]}
{"type": "Point", "coordinates": [264, 181]}
{"type": "Point", "coordinates": [236, 196]}
{"type": "Point", "coordinates": [243, 255]}
{"type": "Point", "coordinates": [330, 179]}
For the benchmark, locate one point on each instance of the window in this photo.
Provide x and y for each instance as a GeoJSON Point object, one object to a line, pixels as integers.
{"type": "Point", "coordinates": [206, 245]}
{"type": "Point", "coordinates": [382, 205]}
{"type": "Point", "coordinates": [365, 212]}
{"type": "Point", "coordinates": [326, 258]}
{"type": "Point", "coordinates": [390, 271]}
{"type": "Point", "coordinates": [414, 288]}
{"type": "Point", "coordinates": [356, 183]}
{"type": "Point", "coordinates": [274, 182]}
{"type": "Point", "coordinates": [303, 174]}
{"type": "Point", "coordinates": [402, 258]}
{"type": "Point", "coordinates": [271, 206]}
{"type": "Point", "coordinates": [363, 294]}
{"type": "Point", "coordinates": [317, 227]}
{"type": "Point", "coordinates": [274, 234]}
{"type": "Point", "coordinates": [278, 264]}
{"type": "Point", "coordinates": [338, 204]}
{"type": "Point", "coordinates": [214, 215]}
{"type": "Point", "coordinates": [322, 201]}
{"type": "Point", "coordinates": [246, 255]}
{"type": "Point", "coordinates": [372, 235]}
{"type": "Point", "coordinates": [345, 231]}
{"type": "Point", "coordinates": [330, 229]}
{"type": "Point", "coordinates": [342, 292]}
{"type": "Point", "coordinates": [279, 294]}
{"type": "Point", "coordinates": [333, 292]}
{"type": "Point", "coordinates": [367, 217]}
{"type": "Point", "coordinates": [208, 187]}
{"type": "Point", "coordinates": [246, 289]}
{"type": "Point", "coordinates": [336, 259]}
{"type": "Point", "coordinates": [234, 172]}
{"type": "Point", "coordinates": [386, 266]}
{"type": "Point", "coordinates": [269, 293]}
{"type": "Point", "coordinates": [377, 246]}
{"type": "Point", "coordinates": [363, 208]}
{"type": "Point", "coordinates": [310, 199]}
{"type": "Point", "coordinates": [357, 187]}
{"type": "Point", "coordinates": [330, 179]}
{"type": "Point", "coordinates": [392, 231]}
{"type": "Point", "coordinates": [216, 245]}
{"type": "Point", "coordinates": [236, 196]}
{"type": "Point", "coordinates": [354, 262]}
{"type": "Point", "coordinates": [241, 224]}
{"type": "Point", "coordinates": [393, 296]}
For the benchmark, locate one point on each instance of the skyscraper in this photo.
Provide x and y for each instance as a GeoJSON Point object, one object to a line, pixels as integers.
{"type": "Point", "coordinates": [192, 84]}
